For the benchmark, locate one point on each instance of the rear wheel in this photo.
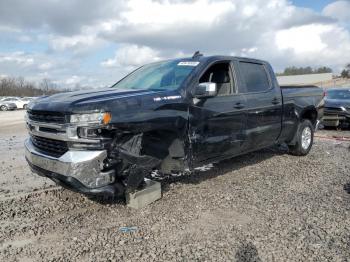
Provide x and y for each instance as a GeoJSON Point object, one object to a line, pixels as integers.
{"type": "Point", "coordinates": [4, 108]}
{"type": "Point", "coordinates": [304, 140]}
{"type": "Point", "coordinates": [24, 106]}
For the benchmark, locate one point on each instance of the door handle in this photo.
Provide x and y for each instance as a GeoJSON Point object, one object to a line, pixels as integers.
{"type": "Point", "coordinates": [275, 101]}
{"type": "Point", "coordinates": [238, 105]}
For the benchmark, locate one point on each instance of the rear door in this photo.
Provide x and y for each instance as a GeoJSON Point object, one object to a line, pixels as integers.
{"type": "Point", "coordinates": [263, 105]}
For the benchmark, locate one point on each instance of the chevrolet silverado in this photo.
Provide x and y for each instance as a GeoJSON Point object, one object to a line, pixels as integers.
{"type": "Point", "coordinates": [169, 116]}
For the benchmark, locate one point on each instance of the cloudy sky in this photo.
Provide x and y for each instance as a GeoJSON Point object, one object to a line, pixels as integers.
{"type": "Point", "coordinates": [94, 43]}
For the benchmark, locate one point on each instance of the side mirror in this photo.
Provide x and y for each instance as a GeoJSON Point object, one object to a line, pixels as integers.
{"type": "Point", "coordinates": [204, 90]}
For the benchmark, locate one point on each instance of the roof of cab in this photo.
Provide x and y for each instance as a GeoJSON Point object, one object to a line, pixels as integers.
{"type": "Point", "coordinates": [221, 57]}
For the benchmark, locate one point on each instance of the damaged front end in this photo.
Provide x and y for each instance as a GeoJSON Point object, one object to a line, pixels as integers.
{"type": "Point", "coordinates": [88, 154]}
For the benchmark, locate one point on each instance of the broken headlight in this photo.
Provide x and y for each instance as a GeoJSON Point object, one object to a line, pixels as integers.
{"type": "Point", "coordinates": [86, 132]}
{"type": "Point", "coordinates": [93, 118]}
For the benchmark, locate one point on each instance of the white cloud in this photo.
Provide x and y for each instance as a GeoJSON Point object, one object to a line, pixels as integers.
{"type": "Point", "coordinates": [24, 38]}
{"type": "Point", "coordinates": [35, 66]}
{"type": "Point", "coordinates": [73, 80]}
{"type": "Point", "coordinates": [315, 45]}
{"type": "Point", "coordinates": [45, 66]}
{"type": "Point", "coordinates": [303, 39]}
{"type": "Point", "coordinates": [211, 26]}
{"type": "Point", "coordinates": [78, 44]}
{"type": "Point", "coordinates": [18, 58]}
{"type": "Point", "coordinates": [27, 62]}
{"type": "Point", "coordinates": [165, 13]}
{"type": "Point", "coordinates": [132, 56]}
{"type": "Point", "coordinates": [80, 33]}
{"type": "Point", "coordinates": [339, 10]}
{"type": "Point", "coordinates": [62, 17]}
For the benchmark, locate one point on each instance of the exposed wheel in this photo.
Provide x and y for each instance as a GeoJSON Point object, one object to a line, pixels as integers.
{"type": "Point", "coordinates": [304, 141]}
{"type": "Point", "coordinates": [24, 106]}
{"type": "Point", "coordinates": [4, 108]}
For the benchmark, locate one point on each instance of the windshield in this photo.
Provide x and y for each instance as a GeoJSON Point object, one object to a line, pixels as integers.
{"type": "Point", "coordinates": [158, 76]}
{"type": "Point", "coordinates": [338, 94]}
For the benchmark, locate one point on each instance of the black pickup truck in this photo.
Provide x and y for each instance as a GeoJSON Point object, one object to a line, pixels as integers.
{"type": "Point", "coordinates": [337, 107]}
{"type": "Point", "coordinates": [170, 116]}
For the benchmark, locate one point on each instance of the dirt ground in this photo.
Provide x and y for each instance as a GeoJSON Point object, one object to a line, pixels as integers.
{"type": "Point", "coordinates": [264, 206]}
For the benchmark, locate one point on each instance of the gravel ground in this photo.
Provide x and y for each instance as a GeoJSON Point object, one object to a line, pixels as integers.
{"type": "Point", "coordinates": [264, 206]}
{"type": "Point", "coordinates": [15, 176]}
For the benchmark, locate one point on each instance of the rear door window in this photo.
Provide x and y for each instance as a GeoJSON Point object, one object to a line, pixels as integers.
{"type": "Point", "coordinates": [255, 77]}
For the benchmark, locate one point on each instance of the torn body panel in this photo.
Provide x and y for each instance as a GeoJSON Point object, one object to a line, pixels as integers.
{"type": "Point", "coordinates": [137, 155]}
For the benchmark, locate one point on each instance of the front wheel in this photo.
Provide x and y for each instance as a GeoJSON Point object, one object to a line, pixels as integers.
{"type": "Point", "coordinates": [4, 108]}
{"type": "Point", "coordinates": [304, 139]}
{"type": "Point", "coordinates": [25, 106]}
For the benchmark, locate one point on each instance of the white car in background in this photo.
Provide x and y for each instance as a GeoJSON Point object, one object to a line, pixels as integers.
{"type": "Point", "coordinates": [5, 106]}
{"type": "Point", "coordinates": [20, 103]}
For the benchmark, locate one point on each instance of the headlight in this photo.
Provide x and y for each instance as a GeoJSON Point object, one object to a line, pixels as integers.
{"type": "Point", "coordinates": [98, 118]}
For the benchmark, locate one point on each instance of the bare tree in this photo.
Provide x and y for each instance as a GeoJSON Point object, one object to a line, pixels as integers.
{"type": "Point", "coordinates": [346, 72]}
{"type": "Point", "coordinates": [20, 87]}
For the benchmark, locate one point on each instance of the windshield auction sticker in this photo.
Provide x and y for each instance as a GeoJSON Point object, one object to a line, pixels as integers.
{"type": "Point", "coordinates": [188, 63]}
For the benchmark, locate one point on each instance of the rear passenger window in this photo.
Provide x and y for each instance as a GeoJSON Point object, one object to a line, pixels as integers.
{"type": "Point", "coordinates": [255, 77]}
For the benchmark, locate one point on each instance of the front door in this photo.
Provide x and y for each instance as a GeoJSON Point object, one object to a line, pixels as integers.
{"type": "Point", "coordinates": [217, 124]}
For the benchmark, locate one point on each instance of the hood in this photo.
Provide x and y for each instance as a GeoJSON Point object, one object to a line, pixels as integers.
{"type": "Point", "coordinates": [120, 102]}
{"type": "Point", "coordinates": [337, 103]}
{"type": "Point", "coordinates": [91, 95]}
{"type": "Point", "coordinates": [89, 100]}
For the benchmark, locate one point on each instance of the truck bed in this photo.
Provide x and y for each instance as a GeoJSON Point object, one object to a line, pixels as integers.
{"type": "Point", "coordinates": [291, 92]}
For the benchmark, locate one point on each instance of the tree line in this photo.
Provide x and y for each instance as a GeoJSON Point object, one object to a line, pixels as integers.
{"type": "Point", "coordinates": [18, 86]}
{"type": "Point", "coordinates": [293, 70]}
{"type": "Point", "coordinates": [346, 72]}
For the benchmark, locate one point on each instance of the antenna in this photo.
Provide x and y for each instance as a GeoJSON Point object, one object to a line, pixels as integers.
{"type": "Point", "coordinates": [197, 54]}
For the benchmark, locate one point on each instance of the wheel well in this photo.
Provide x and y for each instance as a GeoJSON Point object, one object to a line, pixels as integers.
{"type": "Point", "coordinates": [168, 147]}
{"type": "Point", "coordinates": [310, 114]}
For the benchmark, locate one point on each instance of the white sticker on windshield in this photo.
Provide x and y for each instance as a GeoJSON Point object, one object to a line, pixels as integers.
{"type": "Point", "coordinates": [157, 99]}
{"type": "Point", "coordinates": [188, 63]}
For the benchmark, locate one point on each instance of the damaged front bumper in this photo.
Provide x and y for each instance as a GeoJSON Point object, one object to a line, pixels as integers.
{"type": "Point", "coordinates": [335, 119]}
{"type": "Point", "coordinates": [79, 170]}
{"type": "Point", "coordinates": [334, 116]}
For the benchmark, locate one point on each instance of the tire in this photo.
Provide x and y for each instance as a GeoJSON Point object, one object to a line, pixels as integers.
{"type": "Point", "coordinates": [304, 139]}
{"type": "Point", "coordinates": [4, 108]}
{"type": "Point", "coordinates": [25, 107]}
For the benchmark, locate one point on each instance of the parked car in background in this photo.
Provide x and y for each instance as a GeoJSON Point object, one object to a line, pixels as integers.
{"type": "Point", "coordinates": [30, 98]}
{"type": "Point", "coordinates": [337, 107]}
{"type": "Point", "coordinates": [20, 103]}
{"type": "Point", "coordinates": [26, 101]}
{"type": "Point", "coordinates": [4, 97]}
{"type": "Point", "coordinates": [5, 106]}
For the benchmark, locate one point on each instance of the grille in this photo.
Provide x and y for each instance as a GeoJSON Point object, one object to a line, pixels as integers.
{"type": "Point", "coordinates": [46, 117]}
{"type": "Point", "coordinates": [333, 109]}
{"type": "Point", "coordinates": [50, 147]}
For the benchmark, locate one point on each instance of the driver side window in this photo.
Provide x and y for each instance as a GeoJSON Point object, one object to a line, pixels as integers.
{"type": "Point", "coordinates": [220, 74]}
